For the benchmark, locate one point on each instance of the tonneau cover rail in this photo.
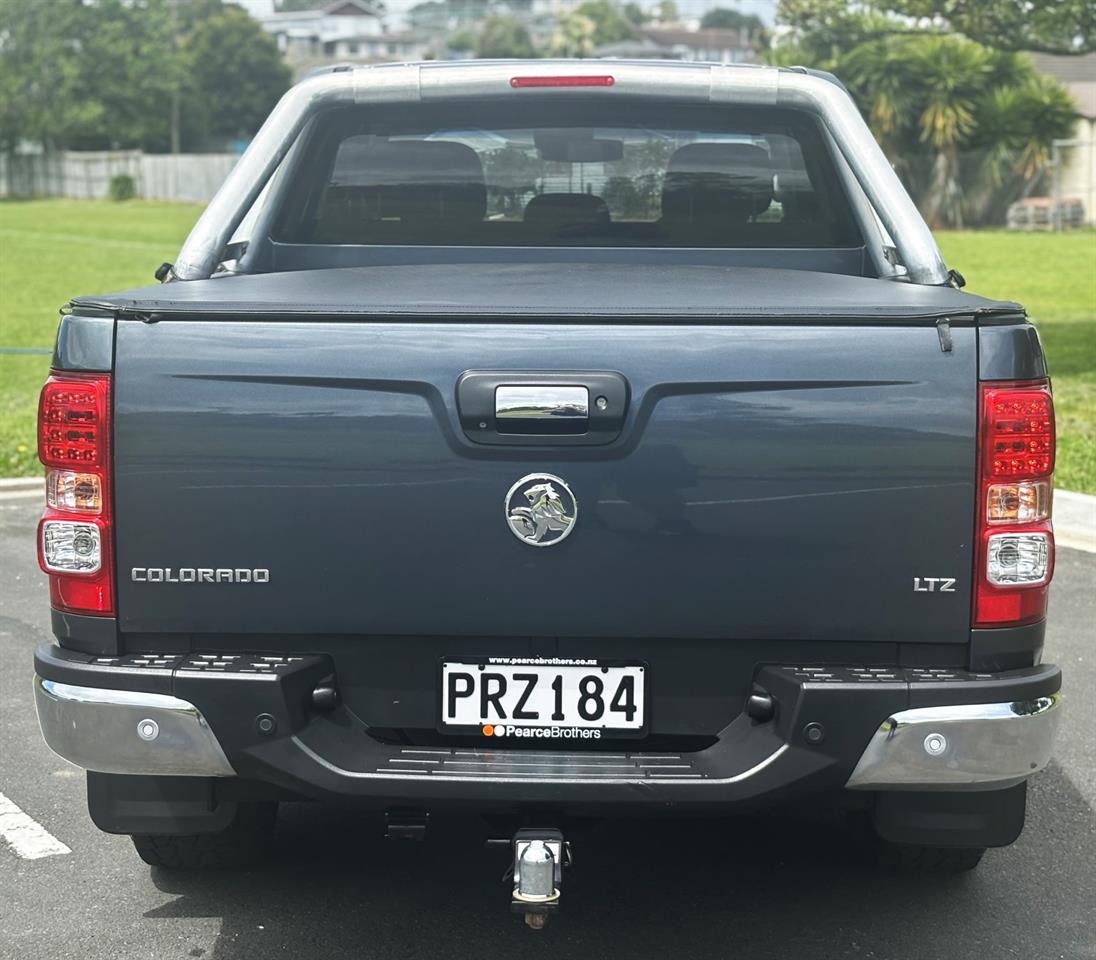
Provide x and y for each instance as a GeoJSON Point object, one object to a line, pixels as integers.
{"type": "Point", "coordinates": [636, 293]}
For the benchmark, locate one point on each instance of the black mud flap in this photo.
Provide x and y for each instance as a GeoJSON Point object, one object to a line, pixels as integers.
{"type": "Point", "coordinates": [977, 818]}
{"type": "Point", "coordinates": [157, 806]}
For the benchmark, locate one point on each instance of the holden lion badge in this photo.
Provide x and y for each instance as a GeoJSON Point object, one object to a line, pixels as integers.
{"type": "Point", "coordinates": [541, 510]}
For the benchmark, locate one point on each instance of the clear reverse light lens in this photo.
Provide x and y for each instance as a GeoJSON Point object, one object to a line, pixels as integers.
{"type": "Point", "coordinates": [1025, 502]}
{"type": "Point", "coordinates": [71, 547]}
{"type": "Point", "coordinates": [68, 490]}
{"type": "Point", "coordinates": [1017, 558]}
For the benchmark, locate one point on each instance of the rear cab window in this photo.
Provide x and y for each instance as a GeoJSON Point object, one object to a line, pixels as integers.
{"type": "Point", "coordinates": [566, 174]}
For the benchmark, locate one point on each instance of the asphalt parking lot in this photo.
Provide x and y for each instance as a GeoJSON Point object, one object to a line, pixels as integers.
{"type": "Point", "coordinates": [333, 888]}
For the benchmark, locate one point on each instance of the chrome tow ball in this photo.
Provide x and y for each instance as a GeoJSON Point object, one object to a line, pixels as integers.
{"type": "Point", "coordinates": [539, 858]}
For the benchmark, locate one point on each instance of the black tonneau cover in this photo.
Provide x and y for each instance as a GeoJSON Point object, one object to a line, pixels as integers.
{"type": "Point", "coordinates": [553, 290]}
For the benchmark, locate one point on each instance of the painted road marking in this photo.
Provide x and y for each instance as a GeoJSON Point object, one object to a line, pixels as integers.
{"type": "Point", "coordinates": [29, 839]}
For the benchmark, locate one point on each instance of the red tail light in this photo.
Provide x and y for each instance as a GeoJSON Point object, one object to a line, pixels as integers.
{"type": "Point", "coordinates": [1015, 545]}
{"type": "Point", "coordinates": [566, 81]}
{"type": "Point", "coordinates": [74, 535]}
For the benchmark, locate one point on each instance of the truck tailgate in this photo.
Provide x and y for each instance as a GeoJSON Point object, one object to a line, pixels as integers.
{"type": "Point", "coordinates": [771, 480]}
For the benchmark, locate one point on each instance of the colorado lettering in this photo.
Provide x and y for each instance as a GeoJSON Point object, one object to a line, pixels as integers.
{"type": "Point", "coordinates": [199, 575]}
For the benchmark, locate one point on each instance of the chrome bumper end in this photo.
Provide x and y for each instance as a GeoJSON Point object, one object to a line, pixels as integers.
{"type": "Point", "coordinates": [126, 731]}
{"type": "Point", "coordinates": [964, 747]}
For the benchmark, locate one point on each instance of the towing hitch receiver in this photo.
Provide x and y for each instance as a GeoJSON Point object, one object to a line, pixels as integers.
{"type": "Point", "coordinates": [539, 857]}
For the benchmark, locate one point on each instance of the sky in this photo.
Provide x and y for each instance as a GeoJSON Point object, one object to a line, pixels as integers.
{"type": "Point", "coordinates": [765, 9]}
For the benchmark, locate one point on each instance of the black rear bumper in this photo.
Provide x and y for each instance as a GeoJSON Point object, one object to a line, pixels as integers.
{"type": "Point", "coordinates": [256, 712]}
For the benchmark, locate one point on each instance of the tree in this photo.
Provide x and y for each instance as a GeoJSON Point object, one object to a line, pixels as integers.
{"type": "Point", "coordinates": [724, 18]}
{"type": "Point", "coordinates": [666, 11]}
{"type": "Point", "coordinates": [428, 15]}
{"type": "Point", "coordinates": [86, 76]}
{"type": "Point", "coordinates": [504, 37]}
{"type": "Point", "coordinates": [966, 127]}
{"type": "Point", "coordinates": [923, 94]}
{"type": "Point", "coordinates": [1054, 26]}
{"type": "Point", "coordinates": [819, 32]}
{"type": "Point", "coordinates": [574, 36]}
{"type": "Point", "coordinates": [512, 174]}
{"type": "Point", "coordinates": [472, 12]}
{"type": "Point", "coordinates": [635, 190]}
{"type": "Point", "coordinates": [461, 40]}
{"type": "Point", "coordinates": [1017, 124]}
{"type": "Point", "coordinates": [1050, 26]}
{"type": "Point", "coordinates": [236, 74]}
{"type": "Point", "coordinates": [610, 23]}
{"type": "Point", "coordinates": [105, 74]}
{"type": "Point", "coordinates": [635, 14]}
{"type": "Point", "coordinates": [32, 39]}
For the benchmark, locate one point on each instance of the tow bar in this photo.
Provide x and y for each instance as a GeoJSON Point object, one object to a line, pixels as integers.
{"type": "Point", "coordinates": [540, 854]}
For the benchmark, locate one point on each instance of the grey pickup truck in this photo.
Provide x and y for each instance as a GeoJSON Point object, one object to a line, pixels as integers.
{"type": "Point", "coordinates": [551, 439]}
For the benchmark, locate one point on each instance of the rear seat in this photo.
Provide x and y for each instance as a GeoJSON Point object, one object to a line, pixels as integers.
{"type": "Point", "coordinates": [395, 188]}
{"type": "Point", "coordinates": [552, 215]}
{"type": "Point", "coordinates": [713, 191]}
{"type": "Point", "coordinates": [433, 191]}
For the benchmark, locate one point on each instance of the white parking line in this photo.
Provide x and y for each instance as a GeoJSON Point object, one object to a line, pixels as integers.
{"type": "Point", "coordinates": [29, 839]}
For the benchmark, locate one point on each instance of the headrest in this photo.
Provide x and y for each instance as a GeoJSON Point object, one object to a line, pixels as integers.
{"type": "Point", "coordinates": [794, 190]}
{"type": "Point", "coordinates": [566, 213]}
{"type": "Point", "coordinates": [414, 180]}
{"type": "Point", "coordinates": [717, 182]}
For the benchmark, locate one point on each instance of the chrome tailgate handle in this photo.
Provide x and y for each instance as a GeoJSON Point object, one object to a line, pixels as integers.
{"type": "Point", "coordinates": [525, 403]}
{"type": "Point", "coordinates": [542, 407]}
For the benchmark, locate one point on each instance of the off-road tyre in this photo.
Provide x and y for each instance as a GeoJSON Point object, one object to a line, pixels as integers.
{"type": "Point", "coordinates": [243, 842]}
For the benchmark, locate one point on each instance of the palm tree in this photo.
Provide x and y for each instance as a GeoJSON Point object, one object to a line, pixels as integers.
{"type": "Point", "coordinates": [574, 36]}
{"type": "Point", "coordinates": [950, 74]}
{"type": "Point", "coordinates": [965, 127]}
{"type": "Point", "coordinates": [1018, 121]}
{"type": "Point", "coordinates": [921, 91]}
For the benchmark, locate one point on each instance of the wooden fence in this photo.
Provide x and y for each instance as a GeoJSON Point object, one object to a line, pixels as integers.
{"type": "Point", "coordinates": [86, 175]}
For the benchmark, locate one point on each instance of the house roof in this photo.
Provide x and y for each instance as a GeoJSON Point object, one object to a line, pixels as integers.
{"type": "Point", "coordinates": [717, 39]}
{"type": "Point", "coordinates": [1075, 69]}
{"type": "Point", "coordinates": [642, 49]}
{"type": "Point", "coordinates": [1077, 73]}
{"type": "Point", "coordinates": [401, 36]}
{"type": "Point", "coordinates": [341, 8]}
{"type": "Point", "coordinates": [349, 8]}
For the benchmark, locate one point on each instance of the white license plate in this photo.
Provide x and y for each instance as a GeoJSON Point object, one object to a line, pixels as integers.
{"type": "Point", "coordinates": [543, 698]}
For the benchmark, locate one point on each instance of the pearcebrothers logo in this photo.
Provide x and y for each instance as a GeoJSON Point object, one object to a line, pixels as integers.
{"type": "Point", "coordinates": [540, 733]}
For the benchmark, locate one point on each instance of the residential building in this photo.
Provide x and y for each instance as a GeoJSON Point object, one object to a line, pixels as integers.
{"type": "Point", "coordinates": [379, 47]}
{"type": "Point", "coordinates": [718, 46]}
{"type": "Point", "coordinates": [641, 48]}
{"type": "Point", "coordinates": [1075, 174]}
{"type": "Point", "coordinates": [307, 38]}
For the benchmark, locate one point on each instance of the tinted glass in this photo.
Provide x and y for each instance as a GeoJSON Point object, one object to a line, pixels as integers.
{"type": "Point", "coordinates": [568, 174]}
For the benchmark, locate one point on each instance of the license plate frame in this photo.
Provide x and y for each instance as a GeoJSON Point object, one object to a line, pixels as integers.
{"type": "Point", "coordinates": [545, 667]}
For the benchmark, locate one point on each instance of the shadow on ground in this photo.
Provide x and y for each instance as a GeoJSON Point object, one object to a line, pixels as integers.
{"type": "Point", "coordinates": [334, 888]}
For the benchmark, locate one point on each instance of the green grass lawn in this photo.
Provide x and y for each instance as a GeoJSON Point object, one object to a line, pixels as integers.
{"type": "Point", "coordinates": [51, 250]}
{"type": "Point", "coordinates": [1054, 276]}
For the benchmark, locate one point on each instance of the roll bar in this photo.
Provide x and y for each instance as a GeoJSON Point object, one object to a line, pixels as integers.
{"type": "Point", "coordinates": [745, 85]}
